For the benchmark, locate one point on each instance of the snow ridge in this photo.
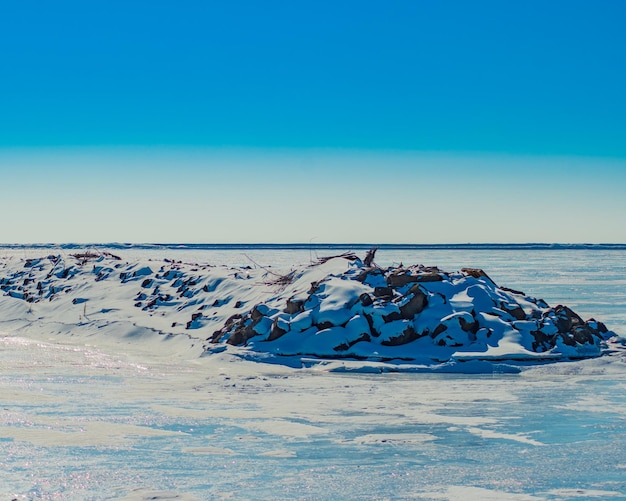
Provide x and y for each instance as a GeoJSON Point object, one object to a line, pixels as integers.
{"type": "Point", "coordinates": [339, 308]}
{"type": "Point", "coordinates": [418, 314]}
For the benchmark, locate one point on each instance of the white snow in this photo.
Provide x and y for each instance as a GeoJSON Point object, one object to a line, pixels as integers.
{"type": "Point", "coordinates": [339, 308]}
{"type": "Point", "coordinates": [102, 399]}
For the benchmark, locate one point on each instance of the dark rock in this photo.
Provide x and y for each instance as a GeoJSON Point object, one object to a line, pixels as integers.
{"type": "Point", "coordinates": [314, 287]}
{"type": "Point", "coordinates": [294, 306]}
{"type": "Point", "coordinates": [366, 299]}
{"type": "Point", "coordinates": [515, 310]}
{"type": "Point", "coordinates": [147, 283]}
{"type": "Point", "coordinates": [543, 342]}
{"type": "Point", "coordinates": [512, 291]}
{"type": "Point", "coordinates": [241, 334]}
{"type": "Point", "coordinates": [401, 278]}
{"type": "Point", "coordinates": [229, 324]}
{"type": "Point", "coordinates": [476, 273]}
{"type": "Point", "coordinates": [239, 329]}
{"type": "Point", "coordinates": [429, 277]}
{"type": "Point", "coordinates": [467, 326]}
{"type": "Point", "coordinates": [438, 330]}
{"type": "Point", "coordinates": [325, 325]}
{"type": "Point", "coordinates": [409, 334]}
{"type": "Point", "coordinates": [192, 323]}
{"type": "Point", "coordinates": [416, 304]}
{"type": "Point", "coordinates": [256, 315]}
{"type": "Point", "coordinates": [600, 327]}
{"type": "Point", "coordinates": [583, 334]}
{"type": "Point", "coordinates": [276, 331]}
{"type": "Point", "coordinates": [383, 292]}
{"type": "Point", "coordinates": [568, 339]}
{"type": "Point", "coordinates": [370, 322]}
{"type": "Point", "coordinates": [347, 346]}
{"type": "Point", "coordinates": [566, 319]}
{"type": "Point", "coordinates": [365, 274]}
{"type": "Point", "coordinates": [392, 317]}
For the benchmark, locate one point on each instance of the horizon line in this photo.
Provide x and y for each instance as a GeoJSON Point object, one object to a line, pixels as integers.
{"type": "Point", "coordinates": [308, 245]}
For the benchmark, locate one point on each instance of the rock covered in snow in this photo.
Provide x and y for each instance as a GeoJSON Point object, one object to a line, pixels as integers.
{"type": "Point", "coordinates": [418, 313]}
{"type": "Point", "coordinates": [339, 308]}
{"type": "Point", "coordinates": [100, 291]}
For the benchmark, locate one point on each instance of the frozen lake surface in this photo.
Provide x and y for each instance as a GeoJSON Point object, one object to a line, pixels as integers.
{"type": "Point", "coordinates": [109, 422]}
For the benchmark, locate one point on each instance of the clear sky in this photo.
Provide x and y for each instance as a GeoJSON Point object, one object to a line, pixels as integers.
{"type": "Point", "coordinates": [413, 121]}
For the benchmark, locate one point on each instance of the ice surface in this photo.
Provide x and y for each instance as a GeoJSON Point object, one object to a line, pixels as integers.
{"type": "Point", "coordinates": [84, 423]}
{"type": "Point", "coordinates": [112, 412]}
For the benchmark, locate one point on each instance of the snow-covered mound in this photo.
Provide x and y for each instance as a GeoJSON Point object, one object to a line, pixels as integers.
{"type": "Point", "coordinates": [338, 308]}
{"type": "Point", "coordinates": [421, 314]}
{"type": "Point", "coordinates": [100, 294]}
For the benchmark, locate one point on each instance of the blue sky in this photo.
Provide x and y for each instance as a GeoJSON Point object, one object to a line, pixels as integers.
{"type": "Point", "coordinates": [412, 121]}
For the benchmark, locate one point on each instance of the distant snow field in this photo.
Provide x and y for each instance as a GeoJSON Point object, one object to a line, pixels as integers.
{"type": "Point", "coordinates": [154, 379]}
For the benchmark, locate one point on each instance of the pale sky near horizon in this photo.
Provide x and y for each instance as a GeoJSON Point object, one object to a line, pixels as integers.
{"type": "Point", "coordinates": [409, 122]}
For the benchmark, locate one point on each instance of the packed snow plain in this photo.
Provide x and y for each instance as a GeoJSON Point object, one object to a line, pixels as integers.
{"type": "Point", "coordinates": [116, 402]}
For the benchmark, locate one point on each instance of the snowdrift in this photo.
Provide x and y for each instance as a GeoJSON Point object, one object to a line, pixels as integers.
{"type": "Point", "coordinates": [340, 308]}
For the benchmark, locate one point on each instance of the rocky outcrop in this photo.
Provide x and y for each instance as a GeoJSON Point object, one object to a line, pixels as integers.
{"type": "Point", "coordinates": [411, 314]}
{"type": "Point", "coordinates": [340, 308]}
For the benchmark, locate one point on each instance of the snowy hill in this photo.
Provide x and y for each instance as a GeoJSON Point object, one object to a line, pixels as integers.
{"type": "Point", "coordinates": [340, 308]}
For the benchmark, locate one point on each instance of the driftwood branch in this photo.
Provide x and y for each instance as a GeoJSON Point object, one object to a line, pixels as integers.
{"type": "Point", "coordinates": [280, 279]}
{"type": "Point", "coordinates": [369, 257]}
{"type": "Point", "coordinates": [350, 256]}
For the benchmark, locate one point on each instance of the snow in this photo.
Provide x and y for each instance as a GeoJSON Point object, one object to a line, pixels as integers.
{"type": "Point", "coordinates": [133, 424]}
{"type": "Point", "coordinates": [102, 399]}
{"type": "Point", "coordinates": [337, 308]}
{"type": "Point", "coordinates": [461, 311]}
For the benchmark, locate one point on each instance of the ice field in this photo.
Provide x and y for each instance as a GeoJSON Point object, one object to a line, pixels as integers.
{"type": "Point", "coordinates": [97, 420]}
